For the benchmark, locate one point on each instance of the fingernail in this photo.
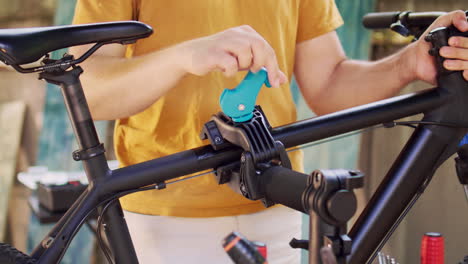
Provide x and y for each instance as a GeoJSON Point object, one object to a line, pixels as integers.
{"type": "Point", "coordinates": [443, 52]}
{"type": "Point", "coordinates": [449, 64]}
{"type": "Point", "coordinates": [453, 41]}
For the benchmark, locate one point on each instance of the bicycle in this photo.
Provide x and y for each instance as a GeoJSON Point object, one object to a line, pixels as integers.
{"type": "Point", "coordinates": [249, 154]}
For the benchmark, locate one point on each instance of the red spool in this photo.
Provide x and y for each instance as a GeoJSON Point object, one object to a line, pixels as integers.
{"type": "Point", "coordinates": [432, 249]}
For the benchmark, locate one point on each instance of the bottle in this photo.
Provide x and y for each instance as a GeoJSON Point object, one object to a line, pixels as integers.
{"type": "Point", "coordinates": [432, 249]}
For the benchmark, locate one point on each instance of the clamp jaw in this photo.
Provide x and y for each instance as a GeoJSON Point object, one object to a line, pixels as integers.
{"type": "Point", "coordinates": [260, 150]}
{"type": "Point", "coordinates": [243, 124]}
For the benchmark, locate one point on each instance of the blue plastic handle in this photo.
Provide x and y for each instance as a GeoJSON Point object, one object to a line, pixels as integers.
{"type": "Point", "coordinates": [239, 103]}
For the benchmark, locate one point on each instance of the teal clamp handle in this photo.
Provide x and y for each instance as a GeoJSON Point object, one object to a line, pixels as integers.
{"type": "Point", "coordinates": [239, 103]}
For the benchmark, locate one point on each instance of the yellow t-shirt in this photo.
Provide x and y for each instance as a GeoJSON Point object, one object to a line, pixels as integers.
{"type": "Point", "coordinates": [174, 122]}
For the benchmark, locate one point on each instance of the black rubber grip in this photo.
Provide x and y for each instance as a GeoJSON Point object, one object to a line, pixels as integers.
{"type": "Point", "coordinates": [380, 20]}
{"type": "Point", "coordinates": [285, 186]}
{"type": "Point", "coordinates": [423, 19]}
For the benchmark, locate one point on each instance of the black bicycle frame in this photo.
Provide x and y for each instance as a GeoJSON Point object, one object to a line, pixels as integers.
{"type": "Point", "coordinates": [428, 147]}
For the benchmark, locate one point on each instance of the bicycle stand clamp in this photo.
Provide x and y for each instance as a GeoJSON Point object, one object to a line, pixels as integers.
{"type": "Point", "coordinates": [243, 124]}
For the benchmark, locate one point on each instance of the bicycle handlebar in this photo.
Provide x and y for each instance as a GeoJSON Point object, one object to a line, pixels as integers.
{"type": "Point", "coordinates": [384, 20]}
{"type": "Point", "coordinates": [379, 20]}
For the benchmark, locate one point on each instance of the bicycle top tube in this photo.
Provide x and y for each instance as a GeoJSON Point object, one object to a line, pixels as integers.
{"type": "Point", "coordinates": [205, 157]}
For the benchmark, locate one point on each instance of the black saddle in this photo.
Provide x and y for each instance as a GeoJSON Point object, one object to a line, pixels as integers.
{"type": "Point", "coordinates": [27, 45]}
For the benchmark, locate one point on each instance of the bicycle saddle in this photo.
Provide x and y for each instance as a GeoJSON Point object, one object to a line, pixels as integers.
{"type": "Point", "coordinates": [27, 45]}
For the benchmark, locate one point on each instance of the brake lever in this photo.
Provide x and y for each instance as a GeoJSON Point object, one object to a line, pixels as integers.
{"type": "Point", "coordinates": [239, 103]}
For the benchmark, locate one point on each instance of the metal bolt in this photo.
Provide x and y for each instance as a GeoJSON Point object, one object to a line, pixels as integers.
{"type": "Point", "coordinates": [241, 107]}
{"type": "Point", "coordinates": [243, 189]}
{"type": "Point", "coordinates": [217, 140]}
{"type": "Point", "coordinates": [46, 243]}
{"type": "Point", "coordinates": [317, 178]}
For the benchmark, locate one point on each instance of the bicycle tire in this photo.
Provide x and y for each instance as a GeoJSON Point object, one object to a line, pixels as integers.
{"type": "Point", "coordinates": [11, 255]}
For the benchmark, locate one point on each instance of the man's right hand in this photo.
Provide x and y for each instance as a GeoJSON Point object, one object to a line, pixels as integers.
{"type": "Point", "coordinates": [230, 51]}
{"type": "Point", "coordinates": [111, 79]}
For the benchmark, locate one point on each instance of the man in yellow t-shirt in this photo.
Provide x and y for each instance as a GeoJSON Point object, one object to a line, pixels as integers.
{"type": "Point", "coordinates": [164, 88]}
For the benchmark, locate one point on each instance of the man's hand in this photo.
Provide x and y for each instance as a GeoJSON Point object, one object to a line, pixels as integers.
{"type": "Point", "coordinates": [327, 256]}
{"type": "Point", "coordinates": [456, 53]}
{"type": "Point", "coordinates": [232, 50]}
{"type": "Point", "coordinates": [112, 78]}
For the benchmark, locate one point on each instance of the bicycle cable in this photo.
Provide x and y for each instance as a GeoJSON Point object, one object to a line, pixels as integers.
{"type": "Point", "coordinates": [105, 201]}
{"type": "Point", "coordinates": [465, 188]}
{"type": "Point", "coordinates": [411, 123]}
{"type": "Point", "coordinates": [105, 249]}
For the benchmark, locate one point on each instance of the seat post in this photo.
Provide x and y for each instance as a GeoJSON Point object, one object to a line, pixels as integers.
{"type": "Point", "coordinates": [76, 104]}
{"type": "Point", "coordinates": [90, 149]}
{"type": "Point", "coordinates": [91, 153]}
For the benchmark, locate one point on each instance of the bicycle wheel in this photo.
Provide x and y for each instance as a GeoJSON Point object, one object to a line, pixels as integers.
{"type": "Point", "coordinates": [10, 255]}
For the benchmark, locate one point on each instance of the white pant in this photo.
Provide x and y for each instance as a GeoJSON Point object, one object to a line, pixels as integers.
{"type": "Point", "coordinates": [163, 239]}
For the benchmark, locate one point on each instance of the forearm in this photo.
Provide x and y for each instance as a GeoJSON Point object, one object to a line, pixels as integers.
{"type": "Point", "coordinates": [117, 87]}
{"type": "Point", "coordinates": [355, 83]}
{"type": "Point", "coordinates": [330, 82]}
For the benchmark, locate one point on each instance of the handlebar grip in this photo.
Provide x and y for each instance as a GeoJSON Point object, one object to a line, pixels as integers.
{"type": "Point", "coordinates": [380, 20]}
{"type": "Point", "coordinates": [423, 19]}
{"type": "Point", "coordinates": [285, 186]}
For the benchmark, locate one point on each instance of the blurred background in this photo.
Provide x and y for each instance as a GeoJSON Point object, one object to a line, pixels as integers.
{"type": "Point", "coordinates": [35, 132]}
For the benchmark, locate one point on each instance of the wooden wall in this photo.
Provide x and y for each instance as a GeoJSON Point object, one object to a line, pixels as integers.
{"type": "Point", "coordinates": [25, 88]}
